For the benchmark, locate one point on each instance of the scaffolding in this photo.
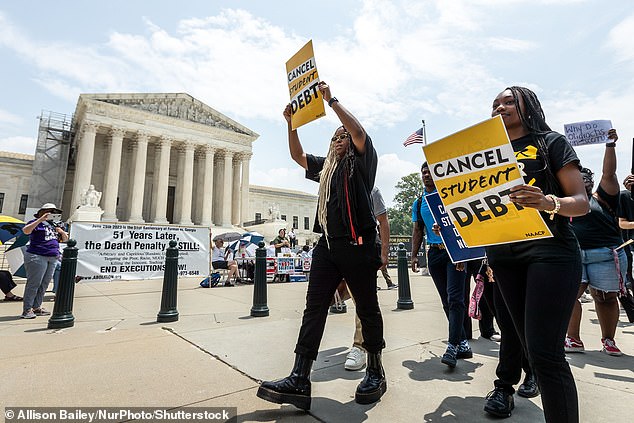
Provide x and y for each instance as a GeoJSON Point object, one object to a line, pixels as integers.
{"type": "Point", "coordinates": [55, 136]}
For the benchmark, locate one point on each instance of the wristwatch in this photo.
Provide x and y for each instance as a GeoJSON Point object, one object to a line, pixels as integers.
{"type": "Point", "coordinates": [332, 101]}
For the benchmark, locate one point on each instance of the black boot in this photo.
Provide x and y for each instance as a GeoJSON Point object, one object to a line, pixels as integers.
{"type": "Point", "coordinates": [499, 402]}
{"type": "Point", "coordinates": [294, 389]}
{"type": "Point", "coordinates": [373, 385]}
{"type": "Point", "coordinates": [529, 388]}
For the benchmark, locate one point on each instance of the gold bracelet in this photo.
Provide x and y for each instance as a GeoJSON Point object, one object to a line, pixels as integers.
{"type": "Point", "coordinates": [554, 211]}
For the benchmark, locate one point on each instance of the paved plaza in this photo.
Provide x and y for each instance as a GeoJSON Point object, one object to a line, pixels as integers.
{"type": "Point", "coordinates": [215, 355]}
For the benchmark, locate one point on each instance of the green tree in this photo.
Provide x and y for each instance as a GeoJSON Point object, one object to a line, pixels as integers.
{"type": "Point", "coordinates": [409, 188]}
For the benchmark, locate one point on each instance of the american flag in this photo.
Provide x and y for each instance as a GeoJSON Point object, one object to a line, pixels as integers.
{"type": "Point", "coordinates": [417, 137]}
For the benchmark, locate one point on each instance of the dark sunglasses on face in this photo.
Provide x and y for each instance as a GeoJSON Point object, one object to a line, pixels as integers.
{"type": "Point", "coordinates": [340, 137]}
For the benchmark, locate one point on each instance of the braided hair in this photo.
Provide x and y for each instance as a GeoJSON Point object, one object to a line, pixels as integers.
{"type": "Point", "coordinates": [531, 115]}
{"type": "Point", "coordinates": [331, 167]}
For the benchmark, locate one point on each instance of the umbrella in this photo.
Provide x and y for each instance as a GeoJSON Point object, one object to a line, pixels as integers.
{"type": "Point", "coordinates": [249, 241]}
{"type": "Point", "coordinates": [15, 256]}
{"type": "Point", "coordinates": [253, 237]}
{"type": "Point", "coordinates": [10, 227]}
{"type": "Point", "coordinates": [228, 236]}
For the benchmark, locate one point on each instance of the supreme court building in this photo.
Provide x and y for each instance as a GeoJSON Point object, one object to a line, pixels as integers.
{"type": "Point", "coordinates": [159, 158]}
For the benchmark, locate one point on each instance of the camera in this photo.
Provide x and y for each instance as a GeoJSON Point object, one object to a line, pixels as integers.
{"type": "Point", "coordinates": [54, 217]}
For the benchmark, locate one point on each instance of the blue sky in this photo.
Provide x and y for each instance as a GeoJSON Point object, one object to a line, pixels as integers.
{"type": "Point", "coordinates": [392, 63]}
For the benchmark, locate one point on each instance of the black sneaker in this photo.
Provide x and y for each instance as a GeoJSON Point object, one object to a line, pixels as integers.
{"type": "Point", "coordinates": [229, 284]}
{"type": "Point", "coordinates": [529, 388]}
{"type": "Point", "coordinates": [450, 357]}
{"type": "Point", "coordinates": [499, 403]}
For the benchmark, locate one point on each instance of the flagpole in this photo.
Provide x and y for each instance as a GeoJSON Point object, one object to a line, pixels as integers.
{"type": "Point", "coordinates": [425, 135]}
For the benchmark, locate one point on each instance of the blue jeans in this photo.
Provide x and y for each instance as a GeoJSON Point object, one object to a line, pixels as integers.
{"type": "Point", "coordinates": [599, 268]}
{"type": "Point", "coordinates": [39, 272]}
{"type": "Point", "coordinates": [450, 284]}
{"type": "Point", "coordinates": [56, 274]}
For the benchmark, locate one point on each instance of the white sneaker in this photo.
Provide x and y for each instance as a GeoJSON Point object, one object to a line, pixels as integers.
{"type": "Point", "coordinates": [355, 360]}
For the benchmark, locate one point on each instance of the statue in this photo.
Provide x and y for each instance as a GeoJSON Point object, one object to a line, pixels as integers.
{"type": "Point", "coordinates": [274, 212]}
{"type": "Point", "coordinates": [90, 197]}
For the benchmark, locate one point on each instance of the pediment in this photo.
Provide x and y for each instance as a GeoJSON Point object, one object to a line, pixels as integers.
{"type": "Point", "coordinates": [178, 106]}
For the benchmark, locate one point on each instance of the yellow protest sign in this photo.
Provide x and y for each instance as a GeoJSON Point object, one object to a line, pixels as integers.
{"type": "Point", "coordinates": [306, 100]}
{"type": "Point", "coordinates": [474, 170]}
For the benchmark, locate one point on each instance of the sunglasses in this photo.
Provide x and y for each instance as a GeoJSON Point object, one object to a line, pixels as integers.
{"type": "Point", "coordinates": [340, 137]}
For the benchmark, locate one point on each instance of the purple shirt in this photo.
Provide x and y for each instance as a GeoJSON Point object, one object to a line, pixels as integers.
{"type": "Point", "coordinates": [44, 240]}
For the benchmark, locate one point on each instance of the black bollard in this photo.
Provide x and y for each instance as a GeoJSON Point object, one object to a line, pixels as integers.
{"type": "Point", "coordinates": [404, 295]}
{"type": "Point", "coordinates": [168, 311]}
{"type": "Point", "coordinates": [260, 309]}
{"type": "Point", "coordinates": [62, 316]}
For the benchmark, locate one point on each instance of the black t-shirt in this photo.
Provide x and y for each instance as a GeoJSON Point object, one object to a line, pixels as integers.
{"type": "Point", "coordinates": [563, 245]}
{"type": "Point", "coordinates": [626, 211]}
{"type": "Point", "coordinates": [600, 227]}
{"type": "Point", "coordinates": [363, 180]}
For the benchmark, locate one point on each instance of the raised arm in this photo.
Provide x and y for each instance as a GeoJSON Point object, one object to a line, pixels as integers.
{"type": "Point", "coordinates": [609, 182]}
{"type": "Point", "coordinates": [349, 122]}
{"type": "Point", "coordinates": [294, 146]}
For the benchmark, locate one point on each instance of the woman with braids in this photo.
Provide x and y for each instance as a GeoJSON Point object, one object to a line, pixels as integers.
{"type": "Point", "coordinates": [346, 249]}
{"type": "Point", "coordinates": [539, 279]}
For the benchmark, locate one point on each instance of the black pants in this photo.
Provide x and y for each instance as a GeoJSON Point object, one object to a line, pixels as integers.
{"type": "Point", "coordinates": [512, 358]}
{"type": "Point", "coordinates": [539, 297]}
{"type": "Point", "coordinates": [357, 264]}
{"type": "Point", "coordinates": [485, 323]}
{"type": "Point", "coordinates": [450, 284]}
{"type": "Point", "coordinates": [6, 281]}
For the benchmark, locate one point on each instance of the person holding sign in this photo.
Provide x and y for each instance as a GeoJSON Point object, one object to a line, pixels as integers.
{"type": "Point", "coordinates": [604, 264]}
{"type": "Point", "coordinates": [347, 249]}
{"type": "Point", "coordinates": [626, 221]}
{"type": "Point", "coordinates": [450, 279]}
{"type": "Point", "coordinates": [539, 279]}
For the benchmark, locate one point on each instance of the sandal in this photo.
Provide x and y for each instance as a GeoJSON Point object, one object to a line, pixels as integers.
{"type": "Point", "coordinates": [41, 312]}
{"type": "Point", "coordinates": [14, 298]}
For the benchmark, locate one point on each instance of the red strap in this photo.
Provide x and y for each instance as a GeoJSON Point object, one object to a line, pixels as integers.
{"type": "Point", "coordinates": [345, 188]}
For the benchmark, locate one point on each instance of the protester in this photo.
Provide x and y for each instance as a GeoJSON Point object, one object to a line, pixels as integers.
{"type": "Point", "coordinates": [539, 279]}
{"type": "Point", "coordinates": [346, 249]}
{"type": "Point", "coordinates": [356, 358]}
{"type": "Point", "coordinates": [281, 241]}
{"type": "Point", "coordinates": [6, 285]}
{"type": "Point", "coordinates": [219, 260]}
{"type": "Point", "coordinates": [40, 258]}
{"type": "Point", "coordinates": [626, 221]}
{"type": "Point", "coordinates": [604, 267]}
{"type": "Point", "coordinates": [449, 278]}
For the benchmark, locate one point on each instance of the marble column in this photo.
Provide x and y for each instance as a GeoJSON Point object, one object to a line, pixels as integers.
{"type": "Point", "coordinates": [244, 188]}
{"type": "Point", "coordinates": [161, 179]}
{"type": "Point", "coordinates": [187, 179]}
{"type": "Point", "coordinates": [235, 192]}
{"type": "Point", "coordinates": [208, 187]}
{"type": "Point", "coordinates": [83, 161]}
{"type": "Point", "coordinates": [138, 180]}
{"type": "Point", "coordinates": [227, 185]}
{"type": "Point", "coordinates": [111, 190]}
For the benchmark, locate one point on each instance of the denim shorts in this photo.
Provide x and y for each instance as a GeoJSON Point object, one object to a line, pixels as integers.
{"type": "Point", "coordinates": [599, 269]}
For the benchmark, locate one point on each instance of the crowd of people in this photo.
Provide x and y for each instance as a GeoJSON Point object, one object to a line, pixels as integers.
{"type": "Point", "coordinates": [532, 288]}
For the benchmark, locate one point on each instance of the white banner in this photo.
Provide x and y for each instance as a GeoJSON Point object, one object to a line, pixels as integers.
{"type": "Point", "coordinates": [127, 251]}
{"type": "Point", "coordinates": [591, 132]}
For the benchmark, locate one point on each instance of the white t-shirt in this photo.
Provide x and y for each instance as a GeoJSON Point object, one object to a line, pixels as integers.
{"type": "Point", "coordinates": [217, 254]}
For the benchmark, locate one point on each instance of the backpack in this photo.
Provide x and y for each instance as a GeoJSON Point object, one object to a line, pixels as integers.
{"type": "Point", "coordinates": [211, 280]}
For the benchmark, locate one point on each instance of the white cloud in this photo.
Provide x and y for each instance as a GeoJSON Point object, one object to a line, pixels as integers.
{"type": "Point", "coordinates": [283, 177]}
{"type": "Point", "coordinates": [8, 118]}
{"type": "Point", "coordinates": [621, 39]}
{"type": "Point", "coordinates": [24, 145]}
{"type": "Point", "coordinates": [390, 170]}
